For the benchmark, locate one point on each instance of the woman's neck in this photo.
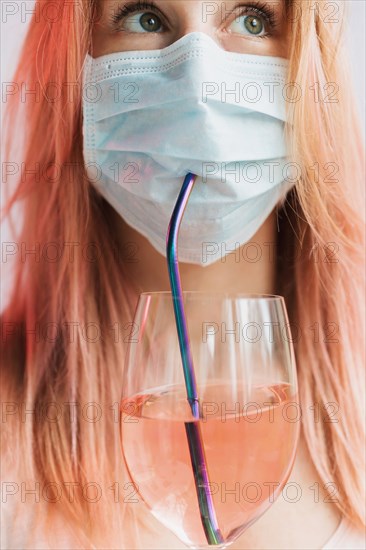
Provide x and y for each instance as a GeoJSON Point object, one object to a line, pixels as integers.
{"type": "Point", "coordinates": [249, 269]}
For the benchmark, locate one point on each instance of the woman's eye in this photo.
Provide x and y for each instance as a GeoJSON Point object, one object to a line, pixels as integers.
{"type": "Point", "coordinates": [144, 17]}
{"type": "Point", "coordinates": [146, 22]}
{"type": "Point", "coordinates": [140, 23]}
{"type": "Point", "coordinates": [253, 25]}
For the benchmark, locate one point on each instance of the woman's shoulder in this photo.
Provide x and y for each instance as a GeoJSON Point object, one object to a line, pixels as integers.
{"type": "Point", "coordinates": [10, 487]}
{"type": "Point", "coordinates": [23, 512]}
{"type": "Point", "coordinates": [347, 537]}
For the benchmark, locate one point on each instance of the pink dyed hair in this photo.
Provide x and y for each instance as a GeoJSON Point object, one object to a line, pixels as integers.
{"type": "Point", "coordinates": [320, 216]}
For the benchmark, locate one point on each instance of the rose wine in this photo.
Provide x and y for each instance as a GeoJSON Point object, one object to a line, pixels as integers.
{"type": "Point", "coordinates": [249, 438]}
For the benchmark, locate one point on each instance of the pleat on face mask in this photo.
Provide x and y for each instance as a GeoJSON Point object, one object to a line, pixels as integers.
{"type": "Point", "coordinates": [152, 116]}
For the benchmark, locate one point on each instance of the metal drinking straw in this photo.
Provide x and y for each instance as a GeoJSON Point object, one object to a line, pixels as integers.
{"type": "Point", "coordinates": [193, 431]}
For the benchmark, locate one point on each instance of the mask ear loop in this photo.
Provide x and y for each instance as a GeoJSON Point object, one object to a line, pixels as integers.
{"type": "Point", "coordinates": [193, 429]}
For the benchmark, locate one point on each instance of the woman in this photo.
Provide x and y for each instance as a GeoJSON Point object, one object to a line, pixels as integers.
{"type": "Point", "coordinates": [82, 499]}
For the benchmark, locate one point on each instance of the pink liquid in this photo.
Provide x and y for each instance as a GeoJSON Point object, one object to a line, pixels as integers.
{"type": "Point", "coordinates": [249, 442]}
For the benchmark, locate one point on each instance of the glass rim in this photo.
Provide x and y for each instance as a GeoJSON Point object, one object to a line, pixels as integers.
{"type": "Point", "coordinates": [219, 294]}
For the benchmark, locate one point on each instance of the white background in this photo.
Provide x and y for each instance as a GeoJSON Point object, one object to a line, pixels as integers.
{"type": "Point", "coordinates": [14, 26]}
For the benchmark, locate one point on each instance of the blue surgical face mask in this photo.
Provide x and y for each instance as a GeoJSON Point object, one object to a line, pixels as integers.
{"type": "Point", "coordinates": [152, 116]}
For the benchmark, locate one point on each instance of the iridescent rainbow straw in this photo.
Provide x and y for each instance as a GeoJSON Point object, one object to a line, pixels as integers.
{"type": "Point", "coordinates": [193, 431]}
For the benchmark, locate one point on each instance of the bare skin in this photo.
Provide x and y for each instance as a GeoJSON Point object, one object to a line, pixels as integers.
{"type": "Point", "coordinates": [310, 521]}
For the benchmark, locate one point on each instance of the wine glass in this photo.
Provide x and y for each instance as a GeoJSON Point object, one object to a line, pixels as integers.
{"type": "Point", "coordinates": [249, 415]}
